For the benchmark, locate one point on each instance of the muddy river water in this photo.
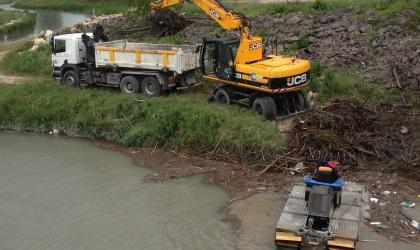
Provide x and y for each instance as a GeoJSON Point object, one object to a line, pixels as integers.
{"type": "Point", "coordinates": [60, 193]}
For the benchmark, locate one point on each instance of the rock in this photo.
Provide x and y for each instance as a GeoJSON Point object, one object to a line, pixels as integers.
{"type": "Point", "coordinates": [56, 132]}
{"type": "Point", "coordinates": [37, 43]}
{"type": "Point", "coordinates": [48, 35]}
{"type": "Point", "coordinates": [404, 130]}
{"type": "Point", "coordinates": [351, 28]}
{"type": "Point", "coordinates": [291, 39]}
{"type": "Point", "coordinates": [295, 19]}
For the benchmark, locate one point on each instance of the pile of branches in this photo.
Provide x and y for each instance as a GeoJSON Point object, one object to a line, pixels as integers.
{"type": "Point", "coordinates": [165, 22]}
{"type": "Point", "coordinates": [381, 137]}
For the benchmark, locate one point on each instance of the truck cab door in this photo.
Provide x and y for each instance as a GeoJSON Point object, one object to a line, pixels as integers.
{"type": "Point", "coordinates": [60, 55]}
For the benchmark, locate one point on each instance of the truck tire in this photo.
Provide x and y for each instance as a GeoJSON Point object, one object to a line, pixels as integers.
{"type": "Point", "coordinates": [130, 85]}
{"type": "Point", "coordinates": [222, 97]}
{"type": "Point", "coordinates": [70, 79]}
{"type": "Point", "coordinates": [151, 87]}
{"type": "Point", "coordinates": [266, 107]}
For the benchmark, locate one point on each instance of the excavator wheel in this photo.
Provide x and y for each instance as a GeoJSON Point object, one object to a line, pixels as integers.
{"type": "Point", "coordinates": [266, 107]}
{"type": "Point", "coordinates": [294, 102]}
{"type": "Point", "coordinates": [222, 97]}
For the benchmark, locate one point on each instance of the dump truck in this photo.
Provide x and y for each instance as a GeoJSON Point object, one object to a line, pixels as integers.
{"type": "Point", "coordinates": [320, 216]}
{"type": "Point", "coordinates": [79, 60]}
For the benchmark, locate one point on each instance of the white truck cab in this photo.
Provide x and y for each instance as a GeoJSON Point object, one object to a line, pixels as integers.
{"type": "Point", "coordinates": [68, 49]}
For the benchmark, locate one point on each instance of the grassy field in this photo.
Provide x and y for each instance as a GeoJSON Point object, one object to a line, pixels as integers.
{"type": "Point", "coordinates": [100, 6]}
{"type": "Point", "coordinates": [23, 61]}
{"type": "Point", "coordinates": [12, 22]}
{"type": "Point", "coordinates": [184, 122]}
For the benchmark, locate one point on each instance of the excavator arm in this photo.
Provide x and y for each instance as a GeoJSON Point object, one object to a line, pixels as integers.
{"type": "Point", "coordinates": [226, 18]}
{"type": "Point", "coordinates": [250, 48]}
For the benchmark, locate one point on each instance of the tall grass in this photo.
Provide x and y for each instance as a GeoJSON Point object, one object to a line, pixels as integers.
{"type": "Point", "coordinates": [24, 61]}
{"type": "Point", "coordinates": [13, 22]}
{"type": "Point", "coordinates": [174, 122]}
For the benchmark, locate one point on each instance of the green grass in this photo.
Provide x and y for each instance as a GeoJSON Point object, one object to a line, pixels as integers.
{"type": "Point", "coordinates": [174, 39]}
{"type": "Point", "coordinates": [23, 61]}
{"type": "Point", "coordinates": [100, 6]}
{"type": "Point", "coordinates": [331, 84]}
{"type": "Point", "coordinates": [21, 21]}
{"type": "Point", "coordinates": [176, 122]}
{"type": "Point", "coordinates": [302, 43]}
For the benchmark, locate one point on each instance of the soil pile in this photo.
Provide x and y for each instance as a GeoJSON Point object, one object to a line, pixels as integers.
{"type": "Point", "coordinates": [380, 48]}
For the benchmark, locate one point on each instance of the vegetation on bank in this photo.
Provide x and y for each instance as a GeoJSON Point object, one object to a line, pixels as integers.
{"type": "Point", "coordinates": [329, 84]}
{"type": "Point", "coordinates": [15, 21]}
{"type": "Point", "coordinates": [100, 6]}
{"type": "Point", "coordinates": [24, 61]}
{"type": "Point", "coordinates": [387, 8]}
{"type": "Point", "coordinates": [182, 122]}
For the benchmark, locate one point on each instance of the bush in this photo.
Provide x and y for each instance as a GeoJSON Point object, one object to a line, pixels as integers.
{"type": "Point", "coordinates": [22, 60]}
{"type": "Point", "coordinates": [176, 122]}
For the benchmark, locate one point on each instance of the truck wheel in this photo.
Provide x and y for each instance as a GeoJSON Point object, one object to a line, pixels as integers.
{"type": "Point", "coordinates": [130, 85]}
{"type": "Point", "coordinates": [150, 87]}
{"type": "Point", "coordinates": [222, 97]}
{"type": "Point", "coordinates": [266, 107]}
{"type": "Point", "coordinates": [70, 79]}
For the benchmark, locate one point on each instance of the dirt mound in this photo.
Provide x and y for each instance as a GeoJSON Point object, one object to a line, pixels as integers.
{"type": "Point", "coordinates": [384, 137]}
{"type": "Point", "coordinates": [376, 46]}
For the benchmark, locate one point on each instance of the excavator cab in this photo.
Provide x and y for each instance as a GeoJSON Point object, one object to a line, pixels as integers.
{"type": "Point", "coordinates": [217, 58]}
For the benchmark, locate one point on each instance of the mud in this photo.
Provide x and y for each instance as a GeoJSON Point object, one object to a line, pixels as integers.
{"type": "Point", "coordinates": [259, 214]}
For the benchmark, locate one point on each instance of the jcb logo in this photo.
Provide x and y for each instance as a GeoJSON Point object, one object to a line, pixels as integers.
{"type": "Point", "coordinates": [296, 80]}
{"type": "Point", "coordinates": [255, 46]}
{"type": "Point", "coordinates": [214, 13]}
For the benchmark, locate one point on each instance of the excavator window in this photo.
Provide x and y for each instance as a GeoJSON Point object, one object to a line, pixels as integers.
{"type": "Point", "coordinates": [209, 59]}
{"type": "Point", "coordinates": [218, 59]}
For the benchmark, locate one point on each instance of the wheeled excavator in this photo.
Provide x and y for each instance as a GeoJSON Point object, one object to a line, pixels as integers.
{"type": "Point", "coordinates": [272, 85]}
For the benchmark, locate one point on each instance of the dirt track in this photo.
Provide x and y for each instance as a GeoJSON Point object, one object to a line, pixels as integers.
{"type": "Point", "coordinates": [11, 79]}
